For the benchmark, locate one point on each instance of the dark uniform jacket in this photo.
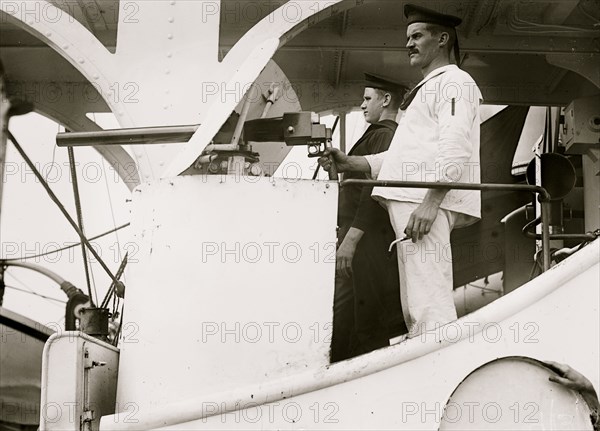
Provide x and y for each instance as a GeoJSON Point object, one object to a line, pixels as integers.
{"type": "Point", "coordinates": [378, 314]}
{"type": "Point", "coordinates": [356, 207]}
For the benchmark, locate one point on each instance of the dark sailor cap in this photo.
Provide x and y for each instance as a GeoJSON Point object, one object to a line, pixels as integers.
{"type": "Point", "coordinates": [384, 83]}
{"type": "Point", "coordinates": [416, 13]}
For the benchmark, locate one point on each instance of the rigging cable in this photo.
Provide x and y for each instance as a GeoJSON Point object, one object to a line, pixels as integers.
{"type": "Point", "coordinates": [80, 222]}
{"type": "Point", "coordinates": [60, 206]}
{"type": "Point", "coordinates": [28, 289]}
{"type": "Point", "coordinates": [2, 284]}
{"type": "Point", "coordinates": [112, 212]}
{"type": "Point", "coordinates": [118, 333]}
{"type": "Point", "coordinates": [93, 282]}
{"type": "Point", "coordinates": [58, 250]}
{"type": "Point", "coordinates": [31, 292]}
{"type": "Point", "coordinates": [115, 284]}
{"type": "Point", "coordinates": [115, 307]}
{"type": "Point", "coordinates": [148, 159]}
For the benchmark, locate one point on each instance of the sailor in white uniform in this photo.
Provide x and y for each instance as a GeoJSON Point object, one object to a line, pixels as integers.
{"type": "Point", "coordinates": [437, 140]}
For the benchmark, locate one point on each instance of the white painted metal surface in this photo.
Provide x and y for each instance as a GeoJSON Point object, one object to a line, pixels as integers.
{"type": "Point", "coordinates": [223, 297]}
{"type": "Point", "coordinates": [514, 394]}
{"type": "Point", "coordinates": [79, 378]}
{"type": "Point", "coordinates": [406, 386]}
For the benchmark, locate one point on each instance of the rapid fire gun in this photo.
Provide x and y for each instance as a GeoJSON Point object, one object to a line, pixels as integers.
{"type": "Point", "coordinates": [294, 128]}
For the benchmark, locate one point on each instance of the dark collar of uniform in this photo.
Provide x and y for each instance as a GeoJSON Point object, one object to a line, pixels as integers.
{"type": "Point", "coordinates": [384, 124]}
{"type": "Point", "coordinates": [409, 97]}
{"type": "Point", "coordinates": [390, 124]}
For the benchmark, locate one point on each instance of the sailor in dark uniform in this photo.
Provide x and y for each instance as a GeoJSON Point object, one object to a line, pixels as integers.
{"type": "Point", "coordinates": [367, 308]}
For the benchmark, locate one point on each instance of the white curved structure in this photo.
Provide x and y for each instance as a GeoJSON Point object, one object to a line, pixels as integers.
{"type": "Point", "coordinates": [216, 369]}
{"type": "Point", "coordinates": [180, 80]}
{"type": "Point", "coordinates": [228, 312]}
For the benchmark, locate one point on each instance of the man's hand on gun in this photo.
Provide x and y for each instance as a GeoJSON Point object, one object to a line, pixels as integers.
{"type": "Point", "coordinates": [341, 160]}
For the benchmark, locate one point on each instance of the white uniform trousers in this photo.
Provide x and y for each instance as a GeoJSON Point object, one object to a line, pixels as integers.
{"type": "Point", "coordinates": [425, 269]}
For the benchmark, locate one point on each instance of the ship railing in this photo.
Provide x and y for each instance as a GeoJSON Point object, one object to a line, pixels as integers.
{"type": "Point", "coordinates": [543, 197]}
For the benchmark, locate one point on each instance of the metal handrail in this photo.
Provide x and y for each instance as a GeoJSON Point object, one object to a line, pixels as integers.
{"type": "Point", "coordinates": [544, 198]}
{"type": "Point", "coordinates": [590, 236]}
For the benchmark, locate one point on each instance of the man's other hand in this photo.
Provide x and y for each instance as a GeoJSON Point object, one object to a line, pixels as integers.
{"type": "Point", "coordinates": [343, 259]}
{"type": "Point", "coordinates": [420, 221]}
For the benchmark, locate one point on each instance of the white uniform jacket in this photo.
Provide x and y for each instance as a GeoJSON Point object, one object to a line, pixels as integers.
{"type": "Point", "coordinates": [437, 140]}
